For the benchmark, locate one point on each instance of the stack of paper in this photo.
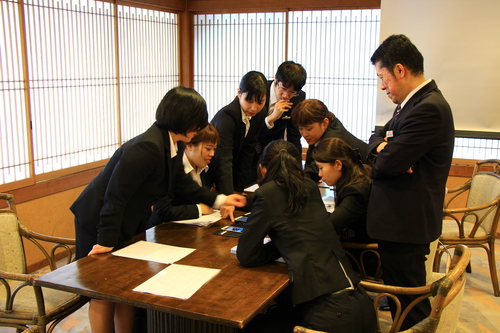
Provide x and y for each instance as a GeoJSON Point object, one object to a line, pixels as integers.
{"type": "Point", "coordinates": [203, 221]}
{"type": "Point", "coordinates": [179, 281]}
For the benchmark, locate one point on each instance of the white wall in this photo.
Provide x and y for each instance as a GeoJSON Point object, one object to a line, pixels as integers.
{"type": "Point", "coordinates": [460, 42]}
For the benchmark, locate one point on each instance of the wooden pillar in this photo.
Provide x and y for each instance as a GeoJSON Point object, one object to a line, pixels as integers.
{"type": "Point", "coordinates": [186, 48]}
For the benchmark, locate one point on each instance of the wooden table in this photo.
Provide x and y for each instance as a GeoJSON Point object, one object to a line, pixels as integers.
{"type": "Point", "coordinates": [228, 301]}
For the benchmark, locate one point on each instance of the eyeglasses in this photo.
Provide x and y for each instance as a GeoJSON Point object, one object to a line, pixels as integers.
{"type": "Point", "coordinates": [287, 91]}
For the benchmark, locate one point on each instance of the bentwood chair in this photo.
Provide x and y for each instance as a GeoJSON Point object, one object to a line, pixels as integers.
{"type": "Point", "coordinates": [24, 306]}
{"type": "Point", "coordinates": [475, 225]}
{"type": "Point", "coordinates": [366, 259]}
{"type": "Point", "coordinates": [446, 295]}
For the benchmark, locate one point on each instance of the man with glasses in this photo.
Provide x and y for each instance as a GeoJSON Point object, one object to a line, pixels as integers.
{"type": "Point", "coordinates": [283, 95]}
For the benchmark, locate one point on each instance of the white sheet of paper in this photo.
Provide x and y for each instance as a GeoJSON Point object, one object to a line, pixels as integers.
{"type": "Point", "coordinates": [162, 253]}
{"type": "Point", "coordinates": [329, 203]}
{"type": "Point", "coordinates": [204, 220]}
{"type": "Point", "coordinates": [265, 241]}
{"type": "Point", "coordinates": [252, 188]}
{"type": "Point", "coordinates": [179, 281]}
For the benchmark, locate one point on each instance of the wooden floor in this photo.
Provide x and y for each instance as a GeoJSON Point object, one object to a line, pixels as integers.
{"type": "Point", "coordinates": [480, 309]}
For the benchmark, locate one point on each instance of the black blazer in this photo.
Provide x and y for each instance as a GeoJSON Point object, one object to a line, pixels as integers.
{"type": "Point", "coordinates": [235, 151]}
{"type": "Point", "coordinates": [116, 204]}
{"type": "Point", "coordinates": [177, 207]}
{"type": "Point", "coordinates": [307, 242]}
{"type": "Point", "coordinates": [350, 212]}
{"type": "Point", "coordinates": [404, 207]}
{"type": "Point", "coordinates": [285, 122]}
{"type": "Point", "coordinates": [334, 130]}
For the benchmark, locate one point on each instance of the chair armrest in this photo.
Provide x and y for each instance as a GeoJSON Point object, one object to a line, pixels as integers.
{"type": "Point", "coordinates": [300, 329]}
{"type": "Point", "coordinates": [363, 246]}
{"type": "Point", "coordinates": [383, 288]}
{"type": "Point", "coordinates": [456, 191]}
{"type": "Point", "coordinates": [18, 276]}
{"type": "Point", "coordinates": [471, 209]}
{"type": "Point", "coordinates": [52, 239]}
{"type": "Point", "coordinates": [464, 186]}
{"type": "Point", "coordinates": [28, 281]}
{"type": "Point", "coordinates": [46, 238]}
{"type": "Point", "coordinates": [60, 243]}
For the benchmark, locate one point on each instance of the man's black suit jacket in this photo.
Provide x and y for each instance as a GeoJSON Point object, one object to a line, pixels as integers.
{"type": "Point", "coordinates": [408, 207]}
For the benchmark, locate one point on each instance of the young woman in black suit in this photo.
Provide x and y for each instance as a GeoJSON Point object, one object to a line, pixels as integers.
{"type": "Point", "coordinates": [238, 124]}
{"type": "Point", "coordinates": [195, 161]}
{"type": "Point", "coordinates": [341, 166]}
{"type": "Point", "coordinates": [315, 123]}
{"type": "Point", "coordinates": [116, 205]}
{"type": "Point", "coordinates": [288, 207]}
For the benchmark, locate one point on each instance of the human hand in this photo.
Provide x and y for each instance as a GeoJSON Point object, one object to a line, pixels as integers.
{"type": "Point", "coordinates": [381, 146]}
{"type": "Point", "coordinates": [98, 249]}
{"type": "Point", "coordinates": [410, 170]}
{"type": "Point", "coordinates": [236, 200]}
{"type": "Point", "coordinates": [205, 210]}
{"type": "Point", "coordinates": [227, 212]}
{"type": "Point", "coordinates": [279, 108]}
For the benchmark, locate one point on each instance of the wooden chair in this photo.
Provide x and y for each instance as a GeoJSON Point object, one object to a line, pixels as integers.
{"type": "Point", "coordinates": [475, 225]}
{"type": "Point", "coordinates": [300, 329]}
{"type": "Point", "coordinates": [24, 306]}
{"type": "Point", "coordinates": [365, 253]}
{"type": "Point", "coordinates": [444, 290]}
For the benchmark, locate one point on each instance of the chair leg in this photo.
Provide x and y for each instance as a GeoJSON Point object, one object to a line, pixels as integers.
{"type": "Point", "coordinates": [493, 268]}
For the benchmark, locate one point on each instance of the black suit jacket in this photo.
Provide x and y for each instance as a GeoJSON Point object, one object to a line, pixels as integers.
{"type": "Point", "coordinates": [307, 242]}
{"type": "Point", "coordinates": [116, 204]}
{"type": "Point", "coordinates": [408, 207]}
{"type": "Point", "coordinates": [334, 130]}
{"type": "Point", "coordinates": [267, 135]}
{"type": "Point", "coordinates": [350, 213]}
{"type": "Point", "coordinates": [177, 207]}
{"type": "Point", "coordinates": [235, 151]}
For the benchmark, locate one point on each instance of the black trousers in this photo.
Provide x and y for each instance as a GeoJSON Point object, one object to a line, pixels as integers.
{"type": "Point", "coordinates": [403, 265]}
{"type": "Point", "coordinates": [350, 311]}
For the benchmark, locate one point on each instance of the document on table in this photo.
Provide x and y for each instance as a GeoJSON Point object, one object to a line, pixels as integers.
{"type": "Point", "coordinates": [162, 253]}
{"type": "Point", "coordinates": [329, 202]}
{"type": "Point", "coordinates": [251, 188]}
{"type": "Point", "coordinates": [204, 220]}
{"type": "Point", "coordinates": [265, 241]}
{"type": "Point", "coordinates": [179, 281]}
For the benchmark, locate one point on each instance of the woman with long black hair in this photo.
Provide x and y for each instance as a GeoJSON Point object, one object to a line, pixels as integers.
{"type": "Point", "coordinates": [341, 166]}
{"type": "Point", "coordinates": [288, 208]}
